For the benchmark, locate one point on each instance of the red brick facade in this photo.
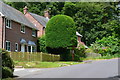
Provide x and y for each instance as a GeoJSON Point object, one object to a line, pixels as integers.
{"type": "Point", "coordinates": [36, 23]}
{"type": "Point", "coordinates": [14, 35]}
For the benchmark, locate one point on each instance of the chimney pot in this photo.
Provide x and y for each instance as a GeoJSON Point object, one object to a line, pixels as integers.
{"type": "Point", "coordinates": [46, 14]}
{"type": "Point", "coordinates": [25, 9]}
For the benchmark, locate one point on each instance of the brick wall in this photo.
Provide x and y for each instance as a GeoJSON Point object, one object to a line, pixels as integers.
{"type": "Point", "coordinates": [14, 35]}
{"type": "Point", "coordinates": [36, 23]}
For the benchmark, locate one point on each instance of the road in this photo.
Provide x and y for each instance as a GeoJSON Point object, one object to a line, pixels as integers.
{"type": "Point", "coordinates": [94, 69]}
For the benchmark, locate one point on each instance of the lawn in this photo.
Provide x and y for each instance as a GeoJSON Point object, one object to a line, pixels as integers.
{"type": "Point", "coordinates": [38, 64]}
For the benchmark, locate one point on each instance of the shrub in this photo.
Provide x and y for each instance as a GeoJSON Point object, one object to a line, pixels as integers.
{"type": "Point", "coordinates": [107, 45]}
{"type": "Point", "coordinates": [42, 44]}
{"type": "Point", "coordinates": [6, 72]}
{"type": "Point", "coordinates": [79, 52]}
{"type": "Point", "coordinates": [7, 64]}
{"type": "Point", "coordinates": [66, 56]}
{"type": "Point", "coordinates": [89, 50]}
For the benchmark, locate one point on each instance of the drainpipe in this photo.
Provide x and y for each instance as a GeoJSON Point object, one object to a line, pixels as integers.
{"type": "Point", "coordinates": [3, 32]}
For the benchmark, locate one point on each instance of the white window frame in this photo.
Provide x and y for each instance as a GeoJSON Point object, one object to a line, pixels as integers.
{"type": "Point", "coordinates": [8, 21]}
{"type": "Point", "coordinates": [16, 47]}
{"type": "Point", "coordinates": [32, 48]}
{"type": "Point", "coordinates": [8, 46]}
{"type": "Point", "coordinates": [22, 27]}
{"type": "Point", "coordinates": [34, 35]}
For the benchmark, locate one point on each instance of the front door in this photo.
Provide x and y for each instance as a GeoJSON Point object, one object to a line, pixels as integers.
{"type": "Point", "coordinates": [22, 48]}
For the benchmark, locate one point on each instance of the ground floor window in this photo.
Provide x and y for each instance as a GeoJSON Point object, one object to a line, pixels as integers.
{"type": "Point", "coordinates": [16, 47]}
{"type": "Point", "coordinates": [8, 45]}
{"type": "Point", "coordinates": [31, 48]}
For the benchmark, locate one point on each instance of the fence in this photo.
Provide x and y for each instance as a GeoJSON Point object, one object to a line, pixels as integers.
{"type": "Point", "coordinates": [36, 56]}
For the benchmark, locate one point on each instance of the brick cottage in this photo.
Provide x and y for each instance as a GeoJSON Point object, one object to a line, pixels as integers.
{"type": "Point", "coordinates": [17, 33]}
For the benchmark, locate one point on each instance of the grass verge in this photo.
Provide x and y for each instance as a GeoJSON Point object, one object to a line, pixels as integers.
{"type": "Point", "coordinates": [37, 64]}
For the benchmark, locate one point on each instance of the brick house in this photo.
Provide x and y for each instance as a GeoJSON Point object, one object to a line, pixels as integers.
{"type": "Point", "coordinates": [38, 21]}
{"type": "Point", "coordinates": [17, 33]}
{"type": "Point", "coordinates": [79, 36]}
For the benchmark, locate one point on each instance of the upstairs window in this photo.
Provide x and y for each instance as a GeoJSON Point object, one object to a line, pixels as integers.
{"type": "Point", "coordinates": [34, 33]}
{"type": "Point", "coordinates": [8, 45]}
{"type": "Point", "coordinates": [8, 23]}
{"type": "Point", "coordinates": [23, 28]}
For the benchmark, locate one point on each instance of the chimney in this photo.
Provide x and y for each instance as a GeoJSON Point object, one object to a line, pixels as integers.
{"type": "Point", "coordinates": [25, 9]}
{"type": "Point", "coordinates": [46, 14]}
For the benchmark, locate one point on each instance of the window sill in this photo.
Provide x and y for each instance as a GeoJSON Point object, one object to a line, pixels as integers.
{"type": "Point", "coordinates": [33, 36]}
{"type": "Point", "coordinates": [16, 50]}
{"type": "Point", "coordinates": [8, 27]}
{"type": "Point", "coordinates": [8, 51]}
{"type": "Point", "coordinates": [22, 32]}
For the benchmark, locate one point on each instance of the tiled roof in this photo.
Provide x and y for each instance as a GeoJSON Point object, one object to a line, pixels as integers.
{"type": "Point", "coordinates": [42, 20]}
{"type": "Point", "coordinates": [15, 15]}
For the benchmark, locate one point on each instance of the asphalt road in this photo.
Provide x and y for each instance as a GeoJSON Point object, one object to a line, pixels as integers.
{"type": "Point", "coordinates": [94, 69]}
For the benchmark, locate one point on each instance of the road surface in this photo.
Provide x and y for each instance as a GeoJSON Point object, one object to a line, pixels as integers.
{"type": "Point", "coordinates": [94, 69]}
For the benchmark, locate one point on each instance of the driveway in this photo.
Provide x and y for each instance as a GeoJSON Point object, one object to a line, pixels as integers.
{"type": "Point", "coordinates": [94, 69]}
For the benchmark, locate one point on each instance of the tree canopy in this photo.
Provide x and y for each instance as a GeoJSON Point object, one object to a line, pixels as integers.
{"type": "Point", "coordinates": [60, 32]}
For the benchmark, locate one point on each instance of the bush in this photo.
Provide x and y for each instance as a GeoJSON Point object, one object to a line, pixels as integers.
{"type": "Point", "coordinates": [6, 72]}
{"type": "Point", "coordinates": [107, 45]}
{"type": "Point", "coordinates": [66, 56]}
{"type": "Point", "coordinates": [89, 50]}
{"type": "Point", "coordinates": [79, 52]}
{"type": "Point", "coordinates": [42, 44]}
{"type": "Point", "coordinates": [7, 64]}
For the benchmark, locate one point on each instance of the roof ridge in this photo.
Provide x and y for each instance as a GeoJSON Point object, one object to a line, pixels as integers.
{"type": "Point", "coordinates": [11, 7]}
{"type": "Point", "coordinates": [42, 20]}
{"type": "Point", "coordinates": [36, 14]}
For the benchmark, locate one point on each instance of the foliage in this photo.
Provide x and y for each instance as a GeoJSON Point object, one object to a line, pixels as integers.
{"type": "Point", "coordinates": [69, 9]}
{"type": "Point", "coordinates": [42, 44]}
{"type": "Point", "coordinates": [90, 19]}
{"type": "Point", "coordinates": [7, 64]}
{"type": "Point", "coordinates": [66, 55]}
{"type": "Point", "coordinates": [102, 57]}
{"type": "Point", "coordinates": [60, 33]}
{"type": "Point", "coordinates": [89, 50]}
{"type": "Point", "coordinates": [6, 72]}
{"type": "Point", "coordinates": [107, 45]}
{"type": "Point", "coordinates": [39, 7]}
{"type": "Point", "coordinates": [79, 52]}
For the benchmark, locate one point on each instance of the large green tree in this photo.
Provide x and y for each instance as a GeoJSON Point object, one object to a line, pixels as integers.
{"type": "Point", "coordinates": [61, 36]}
{"type": "Point", "coordinates": [90, 19]}
{"type": "Point", "coordinates": [60, 32]}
